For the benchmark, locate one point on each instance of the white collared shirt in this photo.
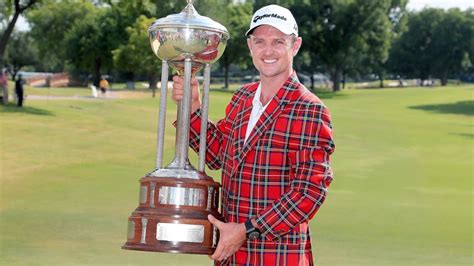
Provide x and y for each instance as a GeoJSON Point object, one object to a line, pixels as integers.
{"type": "Point", "coordinates": [257, 111]}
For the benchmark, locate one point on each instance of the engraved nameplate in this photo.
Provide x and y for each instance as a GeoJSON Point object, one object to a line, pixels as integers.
{"type": "Point", "coordinates": [131, 230]}
{"type": "Point", "coordinates": [180, 232]}
{"type": "Point", "coordinates": [143, 194]}
{"type": "Point", "coordinates": [182, 196]}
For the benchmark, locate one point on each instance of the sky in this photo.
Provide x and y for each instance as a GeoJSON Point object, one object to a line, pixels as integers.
{"type": "Point", "coordinates": [22, 25]}
{"type": "Point", "coordinates": [445, 4]}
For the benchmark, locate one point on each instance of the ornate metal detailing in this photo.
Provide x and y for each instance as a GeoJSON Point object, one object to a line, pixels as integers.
{"type": "Point", "coordinates": [152, 194]}
{"type": "Point", "coordinates": [144, 224]}
{"type": "Point", "coordinates": [210, 194]}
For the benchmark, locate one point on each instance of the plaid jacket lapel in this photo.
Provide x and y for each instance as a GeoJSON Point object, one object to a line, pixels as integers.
{"type": "Point", "coordinates": [268, 117]}
{"type": "Point", "coordinates": [243, 117]}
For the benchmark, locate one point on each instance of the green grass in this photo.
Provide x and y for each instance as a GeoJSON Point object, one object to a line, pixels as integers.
{"type": "Point", "coordinates": [402, 193]}
{"type": "Point", "coordinates": [403, 188]}
{"type": "Point", "coordinates": [72, 91]}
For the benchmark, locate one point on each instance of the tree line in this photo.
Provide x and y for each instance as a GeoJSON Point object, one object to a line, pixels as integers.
{"type": "Point", "coordinates": [341, 38]}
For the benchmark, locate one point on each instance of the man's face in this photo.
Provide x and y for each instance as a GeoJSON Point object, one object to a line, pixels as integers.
{"type": "Point", "coordinates": [273, 51]}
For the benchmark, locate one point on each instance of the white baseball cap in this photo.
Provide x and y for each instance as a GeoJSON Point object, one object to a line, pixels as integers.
{"type": "Point", "coordinates": [275, 16]}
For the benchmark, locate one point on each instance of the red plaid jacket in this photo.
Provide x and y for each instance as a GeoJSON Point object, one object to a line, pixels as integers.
{"type": "Point", "coordinates": [280, 176]}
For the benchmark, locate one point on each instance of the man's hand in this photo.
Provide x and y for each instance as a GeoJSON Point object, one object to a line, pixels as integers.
{"type": "Point", "coordinates": [231, 238]}
{"type": "Point", "coordinates": [178, 91]}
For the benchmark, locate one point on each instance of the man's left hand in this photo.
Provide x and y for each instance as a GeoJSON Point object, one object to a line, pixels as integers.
{"type": "Point", "coordinates": [231, 238]}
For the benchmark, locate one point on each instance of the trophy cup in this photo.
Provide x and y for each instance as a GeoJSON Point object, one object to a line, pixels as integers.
{"type": "Point", "coordinates": [175, 200]}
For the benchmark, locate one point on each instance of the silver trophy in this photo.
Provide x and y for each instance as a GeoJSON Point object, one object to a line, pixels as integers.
{"type": "Point", "coordinates": [175, 200]}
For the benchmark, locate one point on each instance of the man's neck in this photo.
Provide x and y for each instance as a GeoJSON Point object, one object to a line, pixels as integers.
{"type": "Point", "coordinates": [270, 86]}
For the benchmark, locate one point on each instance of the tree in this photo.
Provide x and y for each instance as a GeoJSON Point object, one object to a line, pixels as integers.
{"type": "Point", "coordinates": [82, 34]}
{"type": "Point", "coordinates": [237, 21]}
{"type": "Point", "coordinates": [257, 4]}
{"type": "Point", "coordinates": [88, 46]}
{"type": "Point", "coordinates": [470, 22]}
{"type": "Point", "coordinates": [21, 52]}
{"type": "Point", "coordinates": [136, 56]}
{"type": "Point", "coordinates": [346, 36]}
{"type": "Point", "coordinates": [308, 17]}
{"type": "Point", "coordinates": [380, 39]}
{"type": "Point", "coordinates": [437, 43]}
{"type": "Point", "coordinates": [411, 54]}
{"type": "Point", "coordinates": [91, 41]}
{"type": "Point", "coordinates": [452, 40]}
{"type": "Point", "coordinates": [18, 8]}
{"type": "Point", "coordinates": [49, 25]}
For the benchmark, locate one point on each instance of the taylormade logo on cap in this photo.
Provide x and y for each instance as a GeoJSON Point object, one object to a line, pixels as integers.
{"type": "Point", "coordinates": [256, 18]}
{"type": "Point", "coordinates": [275, 16]}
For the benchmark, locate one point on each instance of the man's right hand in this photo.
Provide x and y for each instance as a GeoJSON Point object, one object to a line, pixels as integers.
{"type": "Point", "coordinates": [178, 92]}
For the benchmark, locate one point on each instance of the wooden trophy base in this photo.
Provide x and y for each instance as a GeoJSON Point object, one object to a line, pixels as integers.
{"type": "Point", "coordinates": [172, 216]}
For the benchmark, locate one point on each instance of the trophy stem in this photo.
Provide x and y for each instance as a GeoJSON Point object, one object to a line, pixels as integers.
{"type": "Point", "coordinates": [205, 111]}
{"type": "Point", "coordinates": [162, 115]}
{"type": "Point", "coordinates": [183, 131]}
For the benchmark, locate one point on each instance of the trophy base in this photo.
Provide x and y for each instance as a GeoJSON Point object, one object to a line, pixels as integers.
{"type": "Point", "coordinates": [183, 248]}
{"type": "Point", "coordinates": [172, 216]}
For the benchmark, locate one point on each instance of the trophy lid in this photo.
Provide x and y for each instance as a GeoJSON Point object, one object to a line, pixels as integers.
{"type": "Point", "coordinates": [188, 18]}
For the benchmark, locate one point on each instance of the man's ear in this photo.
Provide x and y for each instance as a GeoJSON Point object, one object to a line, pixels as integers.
{"type": "Point", "coordinates": [249, 45]}
{"type": "Point", "coordinates": [297, 45]}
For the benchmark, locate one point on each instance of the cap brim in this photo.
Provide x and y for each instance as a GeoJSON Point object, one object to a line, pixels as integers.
{"type": "Point", "coordinates": [283, 29]}
{"type": "Point", "coordinates": [249, 31]}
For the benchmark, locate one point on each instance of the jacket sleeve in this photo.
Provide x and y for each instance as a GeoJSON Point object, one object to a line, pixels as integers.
{"type": "Point", "coordinates": [311, 176]}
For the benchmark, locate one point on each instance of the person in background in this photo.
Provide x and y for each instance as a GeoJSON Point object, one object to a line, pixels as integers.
{"type": "Point", "coordinates": [103, 85]}
{"type": "Point", "coordinates": [4, 85]}
{"type": "Point", "coordinates": [19, 90]}
{"type": "Point", "coordinates": [273, 146]}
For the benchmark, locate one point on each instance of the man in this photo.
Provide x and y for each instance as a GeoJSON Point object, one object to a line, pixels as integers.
{"type": "Point", "coordinates": [19, 90]}
{"type": "Point", "coordinates": [4, 84]}
{"type": "Point", "coordinates": [273, 147]}
{"type": "Point", "coordinates": [103, 85]}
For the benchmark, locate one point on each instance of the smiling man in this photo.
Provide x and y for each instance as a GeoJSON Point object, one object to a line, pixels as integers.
{"type": "Point", "coordinates": [273, 147]}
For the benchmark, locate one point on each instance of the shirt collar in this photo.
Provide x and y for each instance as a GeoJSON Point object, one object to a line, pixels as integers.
{"type": "Point", "coordinates": [256, 98]}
